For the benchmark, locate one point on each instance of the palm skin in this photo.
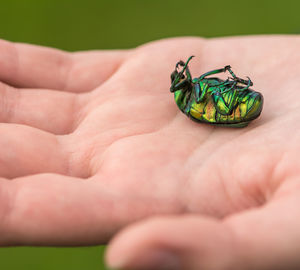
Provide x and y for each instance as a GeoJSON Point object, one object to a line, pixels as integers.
{"type": "Point", "coordinates": [92, 141]}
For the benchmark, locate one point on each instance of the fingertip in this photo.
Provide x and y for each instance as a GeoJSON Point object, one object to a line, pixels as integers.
{"type": "Point", "coordinates": [122, 246]}
{"type": "Point", "coordinates": [129, 248]}
{"type": "Point", "coordinates": [143, 259]}
{"type": "Point", "coordinates": [171, 243]}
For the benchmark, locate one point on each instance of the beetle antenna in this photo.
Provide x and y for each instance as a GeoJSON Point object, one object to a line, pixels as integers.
{"type": "Point", "coordinates": [186, 64]}
{"type": "Point", "coordinates": [189, 59]}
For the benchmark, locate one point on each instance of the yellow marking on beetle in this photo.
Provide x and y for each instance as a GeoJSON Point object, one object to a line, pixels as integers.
{"type": "Point", "coordinates": [232, 116]}
{"type": "Point", "coordinates": [255, 107]}
{"type": "Point", "coordinates": [210, 111]}
{"type": "Point", "coordinates": [227, 97]}
{"type": "Point", "coordinates": [243, 108]}
{"type": "Point", "coordinates": [237, 112]}
{"type": "Point", "coordinates": [195, 113]}
{"type": "Point", "coordinates": [223, 118]}
{"type": "Point", "coordinates": [197, 109]}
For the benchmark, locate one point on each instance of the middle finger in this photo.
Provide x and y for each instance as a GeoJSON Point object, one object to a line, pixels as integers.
{"type": "Point", "coordinates": [49, 110]}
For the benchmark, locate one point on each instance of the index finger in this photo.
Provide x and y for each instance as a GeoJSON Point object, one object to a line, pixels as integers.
{"type": "Point", "coordinates": [31, 66]}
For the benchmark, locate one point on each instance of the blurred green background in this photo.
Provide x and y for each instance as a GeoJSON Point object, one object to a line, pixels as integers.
{"type": "Point", "coordinates": [91, 24]}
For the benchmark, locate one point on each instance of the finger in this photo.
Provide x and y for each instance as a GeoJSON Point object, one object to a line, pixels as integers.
{"type": "Point", "coordinates": [51, 209]}
{"type": "Point", "coordinates": [92, 68]}
{"type": "Point", "coordinates": [52, 111]}
{"type": "Point", "coordinates": [29, 66]}
{"type": "Point", "coordinates": [26, 151]}
{"type": "Point", "coordinates": [170, 243]}
{"type": "Point", "coordinates": [262, 239]}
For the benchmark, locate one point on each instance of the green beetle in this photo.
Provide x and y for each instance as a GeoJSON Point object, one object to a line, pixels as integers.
{"type": "Point", "coordinates": [212, 100]}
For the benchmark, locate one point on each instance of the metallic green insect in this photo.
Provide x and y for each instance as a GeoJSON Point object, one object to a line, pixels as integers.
{"type": "Point", "coordinates": [212, 100]}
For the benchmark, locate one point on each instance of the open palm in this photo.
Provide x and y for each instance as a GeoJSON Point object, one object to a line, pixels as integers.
{"type": "Point", "coordinates": [93, 141]}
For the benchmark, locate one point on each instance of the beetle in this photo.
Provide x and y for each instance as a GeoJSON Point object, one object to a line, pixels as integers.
{"type": "Point", "coordinates": [215, 101]}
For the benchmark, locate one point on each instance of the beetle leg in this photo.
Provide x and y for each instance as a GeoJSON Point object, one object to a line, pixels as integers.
{"type": "Point", "coordinates": [186, 68]}
{"type": "Point", "coordinates": [201, 92]}
{"type": "Point", "coordinates": [249, 83]}
{"type": "Point", "coordinates": [231, 72]}
{"type": "Point", "coordinates": [246, 82]}
{"type": "Point", "coordinates": [222, 83]}
{"type": "Point", "coordinates": [220, 104]}
{"type": "Point", "coordinates": [233, 85]}
{"type": "Point", "coordinates": [187, 107]}
{"type": "Point", "coordinates": [216, 71]}
{"type": "Point", "coordinates": [179, 85]}
{"type": "Point", "coordinates": [197, 92]}
{"type": "Point", "coordinates": [188, 74]}
{"type": "Point", "coordinates": [180, 63]}
{"type": "Point", "coordinates": [235, 78]}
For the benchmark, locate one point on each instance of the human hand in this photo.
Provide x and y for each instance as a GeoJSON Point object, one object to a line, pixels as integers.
{"type": "Point", "coordinates": [242, 185]}
{"type": "Point", "coordinates": [108, 146]}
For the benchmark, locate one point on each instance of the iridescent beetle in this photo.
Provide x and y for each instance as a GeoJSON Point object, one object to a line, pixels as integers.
{"type": "Point", "coordinates": [212, 100]}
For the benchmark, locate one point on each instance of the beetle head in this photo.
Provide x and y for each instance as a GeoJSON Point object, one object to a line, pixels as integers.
{"type": "Point", "coordinates": [176, 77]}
{"type": "Point", "coordinates": [179, 76]}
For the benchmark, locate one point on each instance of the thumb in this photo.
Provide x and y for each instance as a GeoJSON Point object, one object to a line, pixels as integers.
{"type": "Point", "coordinates": [186, 242]}
{"type": "Point", "coordinates": [262, 239]}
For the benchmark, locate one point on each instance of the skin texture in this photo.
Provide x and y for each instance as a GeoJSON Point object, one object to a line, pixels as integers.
{"type": "Point", "coordinates": [93, 141]}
